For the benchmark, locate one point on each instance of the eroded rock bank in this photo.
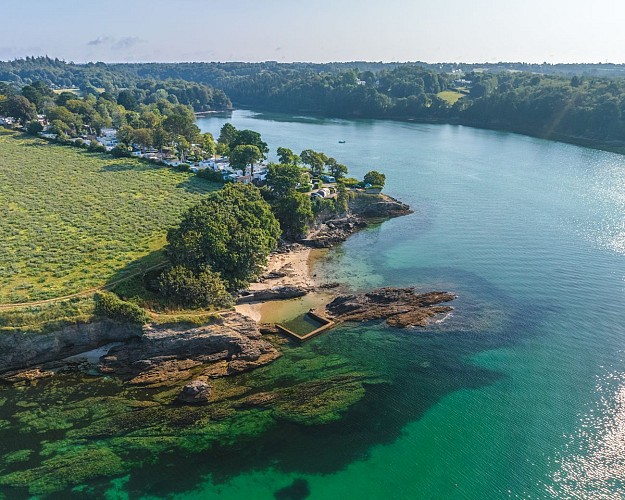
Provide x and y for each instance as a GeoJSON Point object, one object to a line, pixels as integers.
{"type": "Point", "coordinates": [162, 355]}
{"type": "Point", "coordinates": [21, 350]}
{"type": "Point", "coordinates": [400, 307]}
{"type": "Point", "coordinates": [154, 355]}
{"type": "Point", "coordinates": [364, 209]}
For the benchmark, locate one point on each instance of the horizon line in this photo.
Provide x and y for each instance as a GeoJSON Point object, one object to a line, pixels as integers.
{"type": "Point", "coordinates": [544, 63]}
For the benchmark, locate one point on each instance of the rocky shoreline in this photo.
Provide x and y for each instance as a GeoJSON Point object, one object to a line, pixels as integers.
{"type": "Point", "coordinates": [364, 210]}
{"type": "Point", "coordinates": [190, 357]}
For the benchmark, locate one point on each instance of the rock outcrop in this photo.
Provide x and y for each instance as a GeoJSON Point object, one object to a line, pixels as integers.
{"type": "Point", "coordinates": [164, 354]}
{"type": "Point", "coordinates": [372, 206]}
{"type": "Point", "coordinates": [275, 293]}
{"type": "Point", "coordinates": [195, 392]}
{"type": "Point", "coordinates": [363, 209]}
{"type": "Point", "coordinates": [334, 231]}
{"type": "Point", "coordinates": [400, 307]}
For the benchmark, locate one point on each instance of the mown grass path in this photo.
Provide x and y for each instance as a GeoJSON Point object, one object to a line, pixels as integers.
{"type": "Point", "coordinates": [84, 293]}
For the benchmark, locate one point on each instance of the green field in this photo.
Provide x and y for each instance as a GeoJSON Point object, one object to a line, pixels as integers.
{"type": "Point", "coordinates": [72, 220]}
{"type": "Point", "coordinates": [450, 96]}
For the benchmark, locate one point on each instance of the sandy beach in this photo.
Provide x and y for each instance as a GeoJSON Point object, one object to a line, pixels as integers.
{"type": "Point", "coordinates": [293, 268]}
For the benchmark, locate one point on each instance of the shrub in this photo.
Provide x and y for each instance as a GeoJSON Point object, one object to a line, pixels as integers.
{"type": "Point", "coordinates": [34, 127]}
{"type": "Point", "coordinates": [183, 287]}
{"type": "Point", "coordinates": [211, 175]}
{"type": "Point", "coordinates": [120, 151]}
{"type": "Point", "coordinates": [111, 306]}
{"type": "Point", "coordinates": [350, 182]}
{"type": "Point", "coordinates": [96, 147]}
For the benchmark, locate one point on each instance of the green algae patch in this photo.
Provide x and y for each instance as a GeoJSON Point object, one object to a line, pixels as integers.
{"type": "Point", "coordinates": [84, 428]}
{"type": "Point", "coordinates": [17, 457]}
{"type": "Point", "coordinates": [67, 469]}
{"type": "Point", "coordinates": [316, 403]}
{"type": "Point", "coordinates": [44, 420]}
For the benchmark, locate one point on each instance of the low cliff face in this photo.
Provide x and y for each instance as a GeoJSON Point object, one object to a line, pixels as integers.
{"type": "Point", "coordinates": [152, 355]}
{"type": "Point", "coordinates": [162, 355]}
{"type": "Point", "coordinates": [363, 208]}
{"type": "Point", "coordinates": [20, 350]}
{"type": "Point", "coordinates": [377, 206]}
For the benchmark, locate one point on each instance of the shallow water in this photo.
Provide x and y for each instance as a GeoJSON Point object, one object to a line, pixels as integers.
{"type": "Point", "coordinates": [519, 393]}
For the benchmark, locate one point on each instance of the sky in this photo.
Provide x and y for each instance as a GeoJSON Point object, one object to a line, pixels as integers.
{"type": "Point", "coordinates": [315, 30]}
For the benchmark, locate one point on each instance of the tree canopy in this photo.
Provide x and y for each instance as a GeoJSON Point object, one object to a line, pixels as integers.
{"type": "Point", "coordinates": [375, 178]}
{"type": "Point", "coordinates": [231, 232]}
{"type": "Point", "coordinates": [243, 155]}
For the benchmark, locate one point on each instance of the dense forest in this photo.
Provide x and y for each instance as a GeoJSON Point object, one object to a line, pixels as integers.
{"type": "Point", "coordinates": [581, 103]}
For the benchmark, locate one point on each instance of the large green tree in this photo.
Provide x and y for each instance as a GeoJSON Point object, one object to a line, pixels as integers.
{"type": "Point", "coordinates": [294, 212]}
{"type": "Point", "coordinates": [315, 160]}
{"type": "Point", "coordinates": [336, 169]}
{"type": "Point", "coordinates": [230, 232]}
{"type": "Point", "coordinates": [283, 179]}
{"type": "Point", "coordinates": [288, 157]}
{"type": "Point", "coordinates": [250, 137]}
{"type": "Point", "coordinates": [292, 209]}
{"type": "Point", "coordinates": [20, 108]}
{"type": "Point", "coordinates": [227, 134]}
{"type": "Point", "coordinates": [244, 155]}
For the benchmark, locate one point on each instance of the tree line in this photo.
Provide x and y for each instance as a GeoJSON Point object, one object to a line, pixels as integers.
{"type": "Point", "coordinates": [151, 118]}
{"type": "Point", "coordinates": [583, 103]}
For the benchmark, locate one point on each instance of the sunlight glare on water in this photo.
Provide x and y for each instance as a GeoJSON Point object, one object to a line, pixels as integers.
{"type": "Point", "coordinates": [595, 457]}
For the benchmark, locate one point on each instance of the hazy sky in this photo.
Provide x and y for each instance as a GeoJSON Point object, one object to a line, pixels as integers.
{"type": "Point", "coordinates": [315, 30]}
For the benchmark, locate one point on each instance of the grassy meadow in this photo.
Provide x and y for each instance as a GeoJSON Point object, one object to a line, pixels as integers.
{"type": "Point", "coordinates": [450, 96]}
{"type": "Point", "coordinates": [72, 220]}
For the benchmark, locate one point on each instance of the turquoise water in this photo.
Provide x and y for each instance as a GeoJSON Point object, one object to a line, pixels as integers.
{"type": "Point", "coordinates": [520, 393]}
{"type": "Point", "coordinates": [525, 395]}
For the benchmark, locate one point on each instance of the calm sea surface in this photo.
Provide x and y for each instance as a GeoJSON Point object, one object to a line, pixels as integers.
{"type": "Point", "coordinates": [520, 393]}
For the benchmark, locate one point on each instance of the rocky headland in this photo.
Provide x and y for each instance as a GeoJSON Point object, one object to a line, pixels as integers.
{"type": "Point", "coordinates": [400, 307]}
{"type": "Point", "coordinates": [155, 355]}
{"type": "Point", "coordinates": [364, 209]}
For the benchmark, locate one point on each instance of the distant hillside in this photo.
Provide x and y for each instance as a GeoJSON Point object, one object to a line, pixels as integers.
{"type": "Point", "coordinates": [583, 103]}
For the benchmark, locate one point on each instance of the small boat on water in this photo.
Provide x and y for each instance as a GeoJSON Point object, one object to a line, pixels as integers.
{"type": "Point", "coordinates": [341, 142]}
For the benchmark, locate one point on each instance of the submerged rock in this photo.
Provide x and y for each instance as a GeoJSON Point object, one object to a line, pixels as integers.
{"type": "Point", "coordinates": [297, 490]}
{"type": "Point", "coordinates": [195, 392]}
{"type": "Point", "coordinates": [400, 307]}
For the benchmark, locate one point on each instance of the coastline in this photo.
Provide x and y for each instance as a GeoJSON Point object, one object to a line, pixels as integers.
{"type": "Point", "coordinates": [292, 268]}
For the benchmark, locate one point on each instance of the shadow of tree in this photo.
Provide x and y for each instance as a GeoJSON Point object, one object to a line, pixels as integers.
{"type": "Point", "coordinates": [124, 279]}
{"type": "Point", "coordinates": [122, 166]}
{"type": "Point", "coordinates": [198, 185]}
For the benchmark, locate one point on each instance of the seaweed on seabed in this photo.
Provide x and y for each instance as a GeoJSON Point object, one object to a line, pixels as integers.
{"type": "Point", "coordinates": [297, 490]}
